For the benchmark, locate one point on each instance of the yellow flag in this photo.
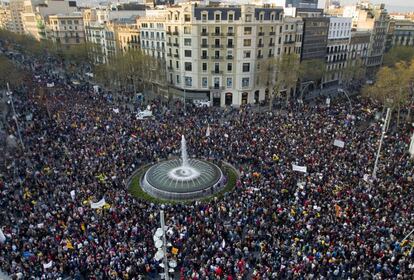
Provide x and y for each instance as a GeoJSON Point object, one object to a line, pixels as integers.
{"type": "Point", "coordinates": [69, 244]}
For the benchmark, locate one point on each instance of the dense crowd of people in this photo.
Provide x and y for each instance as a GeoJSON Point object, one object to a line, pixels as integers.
{"type": "Point", "coordinates": [332, 222]}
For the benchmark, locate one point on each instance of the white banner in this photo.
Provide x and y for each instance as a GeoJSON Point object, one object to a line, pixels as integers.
{"type": "Point", "coordinates": [299, 168]}
{"type": "Point", "coordinates": [48, 265]}
{"type": "Point", "coordinates": [208, 131]}
{"type": "Point", "coordinates": [50, 85]}
{"type": "Point", "coordinates": [2, 237]}
{"type": "Point", "coordinates": [99, 204]}
{"type": "Point", "coordinates": [72, 194]}
{"type": "Point", "coordinates": [339, 143]}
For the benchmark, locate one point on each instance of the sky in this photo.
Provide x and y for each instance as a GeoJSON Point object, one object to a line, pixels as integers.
{"type": "Point", "coordinates": [391, 5]}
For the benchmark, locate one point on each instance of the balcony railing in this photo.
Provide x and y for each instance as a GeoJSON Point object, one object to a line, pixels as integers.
{"type": "Point", "coordinates": [216, 34]}
{"type": "Point", "coordinates": [272, 33]}
{"type": "Point", "coordinates": [204, 57]}
{"type": "Point", "coordinates": [204, 34]}
{"type": "Point", "coordinates": [271, 44]}
{"type": "Point", "coordinates": [261, 33]}
{"type": "Point", "coordinates": [288, 41]}
{"type": "Point", "coordinates": [175, 33]}
{"type": "Point", "coordinates": [216, 72]}
{"type": "Point", "coordinates": [168, 32]}
{"type": "Point", "coordinates": [230, 33]}
{"type": "Point", "coordinates": [260, 45]}
{"type": "Point", "coordinates": [230, 46]}
{"type": "Point", "coordinates": [229, 57]}
{"type": "Point", "coordinates": [260, 56]}
{"type": "Point", "coordinates": [217, 57]}
{"type": "Point", "coordinates": [176, 45]}
{"type": "Point", "coordinates": [176, 56]}
{"type": "Point", "coordinates": [216, 87]}
{"type": "Point", "coordinates": [169, 54]}
{"type": "Point", "coordinates": [217, 46]}
{"type": "Point", "coordinates": [204, 45]}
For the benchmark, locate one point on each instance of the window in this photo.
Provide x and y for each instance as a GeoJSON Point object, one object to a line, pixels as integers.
{"type": "Point", "coordinates": [217, 54]}
{"type": "Point", "coordinates": [217, 30]}
{"type": "Point", "coordinates": [217, 17]}
{"type": "Point", "coordinates": [187, 42]}
{"type": "Point", "coordinates": [229, 67]}
{"type": "Point", "coordinates": [188, 81]}
{"type": "Point", "coordinates": [247, 42]}
{"type": "Point", "coordinates": [204, 17]}
{"type": "Point", "coordinates": [216, 82]}
{"type": "Point", "coordinates": [204, 82]}
{"type": "Point", "coordinates": [247, 31]}
{"type": "Point", "coordinates": [230, 30]}
{"type": "Point", "coordinates": [229, 82]}
{"type": "Point", "coordinates": [246, 67]}
{"type": "Point", "coordinates": [204, 30]}
{"type": "Point", "coordinates": [187, 18]}
{"type": "Point", "coordinates": [187, 30]}
{"type": "Point", "coordinates": [229, 42]}
{"type": "Point", "coordinates": [245, 82]}
{"type": "Point", "coordinates": [204, 54]}
{"type": "Point", "coordinates": [231, 17]}
{"type": "Point", "coordinates": [204, 67]}
{"type": "Point", "coordinates": [177, 65]}
{"type": "Point", "coordinates": [248, 18]}
{"type": "Point", "coordinates": [188, 66]}
{"type": "Point", "coordinates": [204, 42]}
{"type": "Point", "coordinates": [178, 79]}
{"type": "Point", "coordinates": [187, 53]}
{"type": "Point", "coordinates": [246, 54]}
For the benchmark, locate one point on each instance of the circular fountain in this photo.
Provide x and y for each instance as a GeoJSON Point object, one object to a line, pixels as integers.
{"type": "Point", "coordinates": [183, 179]}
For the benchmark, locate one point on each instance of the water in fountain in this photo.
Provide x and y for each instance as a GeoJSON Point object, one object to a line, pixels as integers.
{"type": "Point", "coordinates": [184, 155]}
{"type": "Point", "coordinates": [184, 172]}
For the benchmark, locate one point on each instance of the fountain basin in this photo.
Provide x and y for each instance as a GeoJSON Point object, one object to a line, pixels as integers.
{"type": "Point", "coordinates": [171, 180]}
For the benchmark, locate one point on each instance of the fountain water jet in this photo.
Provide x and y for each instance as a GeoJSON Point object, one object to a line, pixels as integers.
{"type": "Point", "coordinates": [183, 179]}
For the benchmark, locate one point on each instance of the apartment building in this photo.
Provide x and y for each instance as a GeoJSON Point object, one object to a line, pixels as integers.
{"type": "Point", "coordinates": [66, 29]}
{"type": "Point", "coordinates": [358, 47]}
{"type": "Point", "coordinates": [153, 34]}
{"type": "Point", "coordinates": [401, 33]}
{"type": "Point", "coordinates": [315, 38]}
{"type": "Point", "coordinates": [5, 16]}
{"type": "Point", "coordinates": [214, 52]}
{"type": "Point", "coordinates": [339, 36]}
{"type": "Point", "coordinates": [127, 32]}
{"type": "Point", "coordinates": [375, 19]}
{"type": "Point", "coordinates": [16, 8]}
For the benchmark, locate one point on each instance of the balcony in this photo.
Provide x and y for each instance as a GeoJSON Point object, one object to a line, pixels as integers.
{"type": "Point", "coordinates": [176, 45]}
{"type": "Point", "coordinates": [260, 45]}
{"type": "Point", "coordinates": [260, 56]}
{"type": "Point", "coordinates": [217, 72]}
{"type": "Point", "coordinates": [204, 34]}
{"type": "Point", "coordinates": [217, 57]}
{"type": "Point", "coordinates": [217, 87]}
{"type": "Point", "coordinates": [170, 68]}
{"type": "Point", "coordinates": [261, 33]}
{"type": "Point", "coordinates": [288, 42]}
{"type": "Point", "coordinates": [229, 57]}
{"type": "Point", "coordinates": [272, 33]}
{"type": "Point", "coordinates": [204, 45]}
{"type": "Point", "coordinates": [168, 32]}
{"type": "Point", "coordinates": [271, 44]}
{"type": "Point", "coordinates": [217, 46]}
{"type": "Point", "coordinates": [230, 33]}
{"type": "Point", "coordinates": [175, 33]}
{"type": "Point", "coordinates": [204, 57]}
{"type": "Point", "coordinates": [271, 55]}
{"type": "Point", "coordinates": [169, 54]}
{"type": "Point", "coordinates": [176, 55]}
{"type": "Point", "coordinates": [230, 46]}
{"type": "Point", "coordinates": [216, 34]}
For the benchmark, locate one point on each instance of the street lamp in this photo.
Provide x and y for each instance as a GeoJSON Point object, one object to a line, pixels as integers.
{"type": "Point", "coordinates": [303, 90]}
{"type": "Point", "coordinates": [347, 96]}
{"type": "Point", "coordinates": [9, 93]}
{"type": "Point", "coordinates": [161, 245]}
{"type": "Point", "coordinates": [384, 129]}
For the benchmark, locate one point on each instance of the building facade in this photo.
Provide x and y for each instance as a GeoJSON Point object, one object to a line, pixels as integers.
{"type": "Point", "coordinates": [66, 29]}
{"type": "Point", "coordinates": [337, 49]}
{"type": "Point", "coordinates": [374, 19]}
{"type": "Point", "coordinates": [315, 38]}
{"type": "Point", "coordinates": [153, 35]}
{"type": "Point", "coordinates": [214, 53]}
{"type": "Point", "coordinates": [16, 8]}
{"type": "Point", "coordinates": [5, 16]}
{"type": "Point", "coordinates": [401, 33]}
